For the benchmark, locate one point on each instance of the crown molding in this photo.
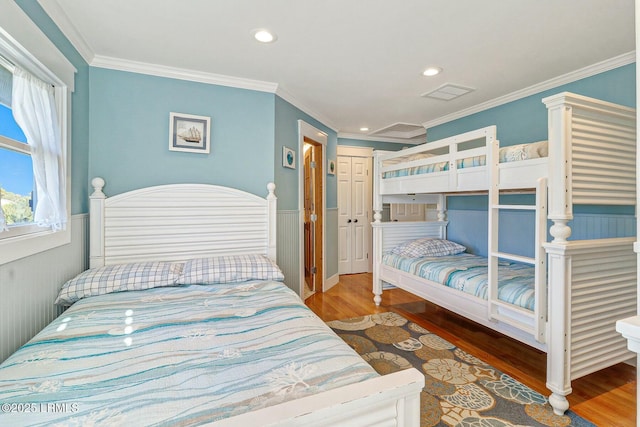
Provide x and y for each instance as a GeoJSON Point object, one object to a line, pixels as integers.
{"type": "Point", "coordinates": [111, 63]}
{"type": "Point", "coordinates": [592, 70]}
{"type": "Point", "coordinates": [356, 136]}
{"type": "Point", "coordinates": [287, 96]}
{"type": "Point", "coordinates": [60, 18]}
{"type": "Point", "coordinates": [181, 73]}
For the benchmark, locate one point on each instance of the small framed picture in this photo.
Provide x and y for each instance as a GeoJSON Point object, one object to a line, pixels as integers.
{"type": "Point", "coordinates": [189, 133]}
{"type": "Point", "coordinates": [288, 158]}
{"type": "Point", "coordinates": [331, 168]}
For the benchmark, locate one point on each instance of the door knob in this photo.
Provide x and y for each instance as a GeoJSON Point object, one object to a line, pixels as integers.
{"type": "Point", "coordinates": [355, 220]}
{"type": "Point", "coordinates": [348, 221]}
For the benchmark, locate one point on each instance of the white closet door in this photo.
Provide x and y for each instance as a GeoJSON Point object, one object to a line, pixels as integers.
{"type": "Point", "coordinates": [354, 206]}
{"type": "Point", "coordinates": [343, 171]}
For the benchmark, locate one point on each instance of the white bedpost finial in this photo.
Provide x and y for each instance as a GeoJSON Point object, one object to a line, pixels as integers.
{"type": "Point", "coordinates": [271, 188]}
{"type": "Point", "coordinates": [98, 185]}
{"type": "Point", "coordinates": [96, 223]}
{"type": "Point", "coordinates": [377, 216]}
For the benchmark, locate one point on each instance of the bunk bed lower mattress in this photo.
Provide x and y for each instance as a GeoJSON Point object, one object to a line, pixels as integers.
{"type": "Point", "coordinates": [468, 273]}
{"type": "Point", "coordinates": [178, 355]}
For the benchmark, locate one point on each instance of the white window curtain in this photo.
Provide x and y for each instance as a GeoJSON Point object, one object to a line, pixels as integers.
{"type": "Point", "coordinates": [34, 109]}
{"type": "Point", "coordinates": [5, 98]}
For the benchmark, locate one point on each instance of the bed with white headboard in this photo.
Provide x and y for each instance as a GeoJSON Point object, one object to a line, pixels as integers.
{"type": "Point", "coordinates": [184, 318]}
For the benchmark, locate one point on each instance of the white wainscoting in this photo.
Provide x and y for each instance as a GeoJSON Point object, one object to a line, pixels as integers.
{"type": "Point", "coordinates": [288, 247]}
{"type": "Point", "coordinates": [29, 286]}
{"type": "Point", "coordinates": [517, 229]}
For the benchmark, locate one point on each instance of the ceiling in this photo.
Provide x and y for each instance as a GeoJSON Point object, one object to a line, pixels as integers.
{"type": "Point", "coordinates": [359, 63]}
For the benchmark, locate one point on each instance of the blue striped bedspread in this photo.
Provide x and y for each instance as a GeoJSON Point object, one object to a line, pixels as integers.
{"type": "Point", "coordinates": [468, 273]}
{"type": "Point", "coordinates": [180, 355]}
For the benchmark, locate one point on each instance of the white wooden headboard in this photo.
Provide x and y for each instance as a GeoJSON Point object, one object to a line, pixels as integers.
{"type": "Point", "coordinates": [178, 222]}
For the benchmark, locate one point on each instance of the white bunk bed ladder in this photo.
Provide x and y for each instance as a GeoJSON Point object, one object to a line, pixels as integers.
{"type": "Point", "coordinates": [533, 322]}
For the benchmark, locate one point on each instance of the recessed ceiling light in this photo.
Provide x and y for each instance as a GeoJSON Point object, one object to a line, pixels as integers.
{"type": "Point", "coordinates": [432, 71]}
{"type": "Point", "coordinates": [363, 129]}
{"type": "Point", "coordinates": [264, 36]}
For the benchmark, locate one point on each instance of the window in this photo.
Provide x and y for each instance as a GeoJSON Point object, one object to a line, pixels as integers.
{"type": "Point", "coordinates": [17, 195]}
{"type": "Point", "coordinates": [36, 98]}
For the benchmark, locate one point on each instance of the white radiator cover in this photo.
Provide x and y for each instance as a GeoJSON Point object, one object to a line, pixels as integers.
{"type": "Point", "coordinates": [29, 286]}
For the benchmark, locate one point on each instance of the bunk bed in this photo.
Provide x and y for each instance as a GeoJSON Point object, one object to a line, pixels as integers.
{"type": "Point", "coordinates": [184, 319]}
{"type": "Point", "coordinates": [575, 289]}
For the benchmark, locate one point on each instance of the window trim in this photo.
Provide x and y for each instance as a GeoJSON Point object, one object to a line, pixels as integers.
{"type": "Point", "coordinates": [26, 244]}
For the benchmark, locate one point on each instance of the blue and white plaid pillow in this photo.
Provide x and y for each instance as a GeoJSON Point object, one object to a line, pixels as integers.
{"type": "Point", "coordinates": [229, 269]}
{"type": "Point", "coordinates": [428, 247]}
{"type": "Point", "coordinates": [118, 278]}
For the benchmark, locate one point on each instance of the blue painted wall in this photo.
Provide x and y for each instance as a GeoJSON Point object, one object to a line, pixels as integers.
{"type": "Point", "coordinates": [525, 120]}
{"type": "Point", "coordinates": [286, 135]}
{"type": "Point", "coordinates": [129, 140]}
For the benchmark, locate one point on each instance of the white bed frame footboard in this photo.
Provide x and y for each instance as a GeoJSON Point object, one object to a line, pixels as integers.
{"type": "Point", "coordinates": [387, 401]}
{"type": "Point", "coordinates": [182, 221]}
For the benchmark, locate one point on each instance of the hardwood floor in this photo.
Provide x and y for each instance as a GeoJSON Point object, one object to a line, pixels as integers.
{"type": "Point", "coordinates": [606, 398]}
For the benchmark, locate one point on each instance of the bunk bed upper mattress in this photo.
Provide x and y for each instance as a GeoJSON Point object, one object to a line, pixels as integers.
{"type": "Point", "coordinates": [181, 355]}
{"type": "Point", "coordinates": [468, 273]}
{"type": "Point", "coordinates": [511, 153]}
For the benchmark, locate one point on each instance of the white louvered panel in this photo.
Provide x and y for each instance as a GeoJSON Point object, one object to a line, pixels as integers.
{"type": "Point", "coordinates": [181, 221]}
{"type": "Point", "coordinates": [30, 286]}
{"type": "Point", "coordinates": [595, 359]}
{"type": "Point", "coordinates": [172, 231]}
{"type": "Point", "coordinates": [603, 290]}
{"type": "Point", "coordinates": [608, 133]}
{"type": "Point", "coordinates": [146, 230]}
{"type": "Point", "coordinates": [401, 232]}
{"type": "Point", "coordinates": [609, 145]}
{"type": "Point", "coordinates": [604, 141]}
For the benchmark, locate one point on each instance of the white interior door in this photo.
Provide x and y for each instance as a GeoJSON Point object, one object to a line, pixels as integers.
{"type": "Point", "coordinates": [354, 207]}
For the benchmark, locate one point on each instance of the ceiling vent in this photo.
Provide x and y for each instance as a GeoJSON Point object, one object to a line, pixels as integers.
{"type": "Point", "coordinates": [447, 92]}
{"type": "Point", "coordinates": [400, 130]}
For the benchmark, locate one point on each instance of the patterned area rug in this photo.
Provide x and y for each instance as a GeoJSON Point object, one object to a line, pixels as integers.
{"type": "Point", "coordinates": [461, 390]}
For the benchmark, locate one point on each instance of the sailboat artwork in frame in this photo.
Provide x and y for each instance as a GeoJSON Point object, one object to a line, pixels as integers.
{"type": "Point", "coordinates": [189, 133]}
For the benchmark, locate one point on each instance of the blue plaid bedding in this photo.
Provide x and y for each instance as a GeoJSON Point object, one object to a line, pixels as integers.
{"type": "Point", "coordinates": [468, 273]}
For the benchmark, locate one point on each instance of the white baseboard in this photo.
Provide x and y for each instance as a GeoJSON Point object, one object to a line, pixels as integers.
{"type": "Point", "coordinates": [330, 282]}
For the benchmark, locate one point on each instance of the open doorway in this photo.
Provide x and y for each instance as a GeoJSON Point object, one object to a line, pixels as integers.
{"type": "Point", "coordinates": [312, 144]}
{"type": "Point", "coordinates": [313, 217]}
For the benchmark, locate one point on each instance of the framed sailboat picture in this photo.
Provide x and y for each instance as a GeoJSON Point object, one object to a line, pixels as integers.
{"type": "Point", "coordinates": [189, 133]}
